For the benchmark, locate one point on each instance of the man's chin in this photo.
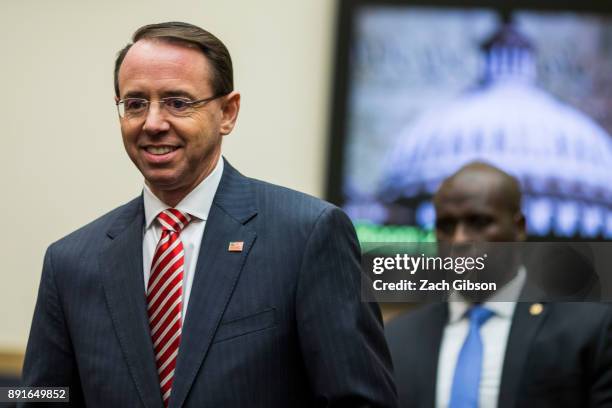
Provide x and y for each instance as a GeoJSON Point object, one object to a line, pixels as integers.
{"type": "Point", "coordinates": [163, 183]}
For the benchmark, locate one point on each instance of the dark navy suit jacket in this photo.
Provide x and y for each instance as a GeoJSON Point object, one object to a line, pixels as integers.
{"type": "Point", "coordinates": [561, 357]}
{"type": "Point", "coordinates": [279, 324]}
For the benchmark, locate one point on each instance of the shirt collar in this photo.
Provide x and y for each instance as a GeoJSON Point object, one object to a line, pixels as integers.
{"type": "Point", "coordinates": [197, 203]}
{"type": "Point", "coordinates": [502, 302]}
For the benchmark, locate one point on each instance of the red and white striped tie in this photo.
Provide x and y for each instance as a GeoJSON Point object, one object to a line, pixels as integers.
{"type": "Point", "coordinates": [165, 296]}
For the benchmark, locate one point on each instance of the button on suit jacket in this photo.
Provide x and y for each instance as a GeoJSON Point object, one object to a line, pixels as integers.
{"type": "Point", "coordinates": [278, 324]}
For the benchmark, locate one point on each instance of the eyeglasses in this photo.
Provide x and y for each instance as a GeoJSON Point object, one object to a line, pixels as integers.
{"type": "Point", "coordinates": [177, 106]}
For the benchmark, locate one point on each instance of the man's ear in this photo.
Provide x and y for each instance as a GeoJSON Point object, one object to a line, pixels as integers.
{"type": "Point", "coordinates": [229, 110]}
{"type": "Point", "coordinates": [118, 116]}
{"type": "Point", "coordinates": [520, 224]}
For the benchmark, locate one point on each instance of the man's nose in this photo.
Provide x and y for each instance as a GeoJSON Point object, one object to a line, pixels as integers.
{"type": "Point", "coordinates": [460, 234]}
{"type": "Point", "coordinates": [155, 121]}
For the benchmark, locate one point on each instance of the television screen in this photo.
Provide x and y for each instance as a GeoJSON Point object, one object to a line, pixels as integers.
{"type": "Point", "coordinates": [423, 89]}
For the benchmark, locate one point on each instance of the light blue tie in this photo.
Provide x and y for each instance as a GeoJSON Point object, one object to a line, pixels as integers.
{"type": "Point", "coordinates": [466, 381]}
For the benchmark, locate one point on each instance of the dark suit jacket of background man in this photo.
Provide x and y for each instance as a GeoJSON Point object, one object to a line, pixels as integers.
{"type": "Point", "coordinates": [279, 324]}
{"type": "Point", "coordinates": [561, 357]}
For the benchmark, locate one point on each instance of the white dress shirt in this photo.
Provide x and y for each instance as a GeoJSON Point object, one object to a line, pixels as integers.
{"type": "Point", "coordinates": [197, 204]}
{"type": "Point", "coordinates": [494, 333]}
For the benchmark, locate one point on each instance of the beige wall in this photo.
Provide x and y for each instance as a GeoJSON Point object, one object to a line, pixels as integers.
{"type": "Point", "coordinates": [63, 163]}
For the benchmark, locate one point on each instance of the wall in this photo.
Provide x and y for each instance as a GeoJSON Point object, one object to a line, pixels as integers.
{"type": "Point", "coordinates": [63, 162]}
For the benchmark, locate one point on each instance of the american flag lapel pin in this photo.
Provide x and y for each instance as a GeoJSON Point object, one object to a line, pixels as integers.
{"type": "Point", "coordinates": [235, 246]}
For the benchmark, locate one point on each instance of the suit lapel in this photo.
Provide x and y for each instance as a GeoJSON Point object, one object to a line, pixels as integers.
{"type": "Point", "coordinates": [431, 338]}
{"type": "Point", "coordinates": [216, 274]}
{"type": "Point", "coordinates": [122, 276]}
{"type": "Point", "coordinates": [526, 321]}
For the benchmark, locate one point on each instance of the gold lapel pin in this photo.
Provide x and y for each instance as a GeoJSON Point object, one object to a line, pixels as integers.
{"type": "Point", "coordinates": [536, 309]}
{"type": "Point", "coordinates": [235, 246]}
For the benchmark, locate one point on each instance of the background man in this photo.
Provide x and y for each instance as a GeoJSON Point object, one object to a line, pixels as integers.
{"type": "Point", "coordinates": [210, 289]}
{"type": "Point", "coordinates": [506, 354]}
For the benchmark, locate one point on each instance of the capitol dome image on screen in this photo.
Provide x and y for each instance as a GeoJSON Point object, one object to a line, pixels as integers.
{"type": "Point", "coordinates": [433, 89]}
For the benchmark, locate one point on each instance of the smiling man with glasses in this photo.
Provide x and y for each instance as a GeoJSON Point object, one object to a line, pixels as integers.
{"type": "Point", "coordinates": [210, 289]}
{"type": "Point", "coordinates": [174, 105]}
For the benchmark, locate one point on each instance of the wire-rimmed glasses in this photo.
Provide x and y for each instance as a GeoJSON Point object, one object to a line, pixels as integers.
{"type": "Point", "coordinates": [175, 105]}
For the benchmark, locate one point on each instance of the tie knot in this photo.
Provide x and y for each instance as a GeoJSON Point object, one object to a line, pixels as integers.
{"type": "Point", "coordinates": [479, 315]}
{"type": "Point", "coordinates": [172, 219]}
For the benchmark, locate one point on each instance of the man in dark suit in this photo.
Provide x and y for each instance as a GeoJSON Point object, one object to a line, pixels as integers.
{"type": "Point", "coordinates": [498, 354]}
{"type": "Point", "coordinates": [211, 289]}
